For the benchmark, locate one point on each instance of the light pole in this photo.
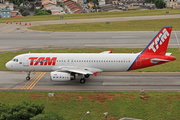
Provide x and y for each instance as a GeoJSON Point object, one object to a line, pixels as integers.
{"type": "Point", "coordinates": [85, 114]}
{"type": "Point", "coordinates": [105, 114]}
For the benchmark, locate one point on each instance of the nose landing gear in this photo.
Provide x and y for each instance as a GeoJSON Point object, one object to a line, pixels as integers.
{"type": "Point", "coordinates": [28, 76]}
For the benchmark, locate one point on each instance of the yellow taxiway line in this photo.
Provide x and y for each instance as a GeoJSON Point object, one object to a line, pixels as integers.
{"type": "Point", "coordinates": [34, 80]}
{"type": "Point", "coordinates": [37, 80]}
{"type": "Point", "coordinates": [29, 82]}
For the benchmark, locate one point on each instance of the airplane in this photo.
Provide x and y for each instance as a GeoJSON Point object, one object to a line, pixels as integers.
{"type": "Point", "coordinates": [67, 66]}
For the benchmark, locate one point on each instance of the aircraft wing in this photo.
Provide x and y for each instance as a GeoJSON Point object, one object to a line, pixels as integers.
{"type": "Point", "coordinates": [79, 70]}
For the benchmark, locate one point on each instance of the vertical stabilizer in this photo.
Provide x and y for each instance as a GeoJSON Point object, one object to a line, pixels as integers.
{"type": "Point", "coordinates": [159, 44]}
{"type": "Point", "coordinates": [155, 52]}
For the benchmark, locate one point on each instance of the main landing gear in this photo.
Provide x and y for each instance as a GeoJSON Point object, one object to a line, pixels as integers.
{"type": "Point", "coordinates": [82, 80]}
{"type": "Point", "coordinates": [28, 76]}
{"type": "Point", "coordinates": [86, 76]}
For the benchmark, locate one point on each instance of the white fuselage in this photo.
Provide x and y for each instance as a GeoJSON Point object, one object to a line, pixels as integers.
{"type": "Point", "coordinates": [106, 62]}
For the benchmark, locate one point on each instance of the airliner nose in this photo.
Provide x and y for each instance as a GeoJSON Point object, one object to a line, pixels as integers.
{"type": "Point", "coordinates": [8, 65]}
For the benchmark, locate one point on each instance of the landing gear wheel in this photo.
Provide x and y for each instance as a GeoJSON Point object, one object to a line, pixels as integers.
{"type": "Point", "coordinates": [82, 81]}
{"type": "Point", "coordinates": [86, 76]}
{"type": "Point", "coordinates": [28, 78]}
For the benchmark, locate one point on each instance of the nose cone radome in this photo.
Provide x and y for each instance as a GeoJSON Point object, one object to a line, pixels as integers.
{"type": "Point", "coordinates": [8, 65]}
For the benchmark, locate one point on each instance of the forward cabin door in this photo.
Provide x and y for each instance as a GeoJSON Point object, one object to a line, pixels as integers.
{"type": "Point", "coordinates": [26, 61]}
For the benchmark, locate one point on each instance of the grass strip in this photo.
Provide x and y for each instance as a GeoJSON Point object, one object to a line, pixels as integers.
{"type": "Point", "coordinates": [93, 15]}
{"type": "Point", "coordinates": [167, 67]}
{"type": "Point", "coordinates": [73, 105]}
{"type": "Point", "coordinates": [136, 25]}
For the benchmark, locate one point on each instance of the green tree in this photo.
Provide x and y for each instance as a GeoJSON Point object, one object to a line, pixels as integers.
{"type": "Point", "coordinates": [95, 2]}
{"type": "Point", "coordinates": [149, 1]}
{"type": "Point", "coordinates": [25, 13]}
{"type": "Point", "coordinates": [42, 12]}
{"type": "Point", "coordinates": [20, 111]}
{"type": "Point", "coordinates": [160, 4]}
{"type": "Point", "coordinates": [47, 117]}
{"type": "Point", "coordinates": [19, 2]}
{"type": "Point", "coordinates": [21, 9]}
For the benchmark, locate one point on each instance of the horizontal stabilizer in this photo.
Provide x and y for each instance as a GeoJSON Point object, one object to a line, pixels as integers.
{"type": "Point", "coordinates": [156, 60]}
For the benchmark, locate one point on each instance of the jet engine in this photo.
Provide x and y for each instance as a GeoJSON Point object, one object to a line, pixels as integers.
{"type": "Point", "coordinates": [61, 76]}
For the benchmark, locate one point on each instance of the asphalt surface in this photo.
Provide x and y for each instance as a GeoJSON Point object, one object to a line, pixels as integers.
{"type": "Point", "coordinates": [41, 40]}
{"type": "Point", "coordinates": [106, 82]}
{"type": "Point", "coordinates": [17, 37]}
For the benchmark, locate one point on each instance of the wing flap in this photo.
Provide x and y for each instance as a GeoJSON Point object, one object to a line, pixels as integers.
{"type": "Point", "coordinates": [81, 71]}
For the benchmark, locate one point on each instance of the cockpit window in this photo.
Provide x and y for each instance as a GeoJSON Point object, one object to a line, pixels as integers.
{"type": "Point", "coordinates": [15, 60]}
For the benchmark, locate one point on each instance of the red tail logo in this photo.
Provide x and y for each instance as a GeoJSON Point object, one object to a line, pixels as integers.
{"type": "Point", "coordinates": [159, 44]}
{"type": "Point", "coordinates": [159, 40]}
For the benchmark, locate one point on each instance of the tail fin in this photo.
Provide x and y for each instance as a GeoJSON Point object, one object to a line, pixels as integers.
{"type": "Point", "coordinates": [159, 44]}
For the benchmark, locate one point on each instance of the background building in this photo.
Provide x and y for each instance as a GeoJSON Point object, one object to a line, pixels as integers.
{"type": "Point", "coordinates": [5, 13]}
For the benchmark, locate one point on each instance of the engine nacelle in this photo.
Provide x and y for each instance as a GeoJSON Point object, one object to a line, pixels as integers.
{"type": "Point", "coordinates": [60, 76]}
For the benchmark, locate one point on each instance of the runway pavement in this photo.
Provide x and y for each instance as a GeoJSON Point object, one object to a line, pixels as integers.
{"type": "Point", "coordinates": [24, 28]}
{"type": "Point", "coordinates": [106, 82]}
{"type": "Point", "coordinates": [17, 37]}
{"type": "Point", "coordinates": [59, 40]}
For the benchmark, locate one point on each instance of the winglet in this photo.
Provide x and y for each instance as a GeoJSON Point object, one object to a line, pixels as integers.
{"type": "Point", "coordinates": [95, 74]}
{"type": "Point", "coordinates": [106, 52]}
{"type": "Point", "coordinates": [111, 51]}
